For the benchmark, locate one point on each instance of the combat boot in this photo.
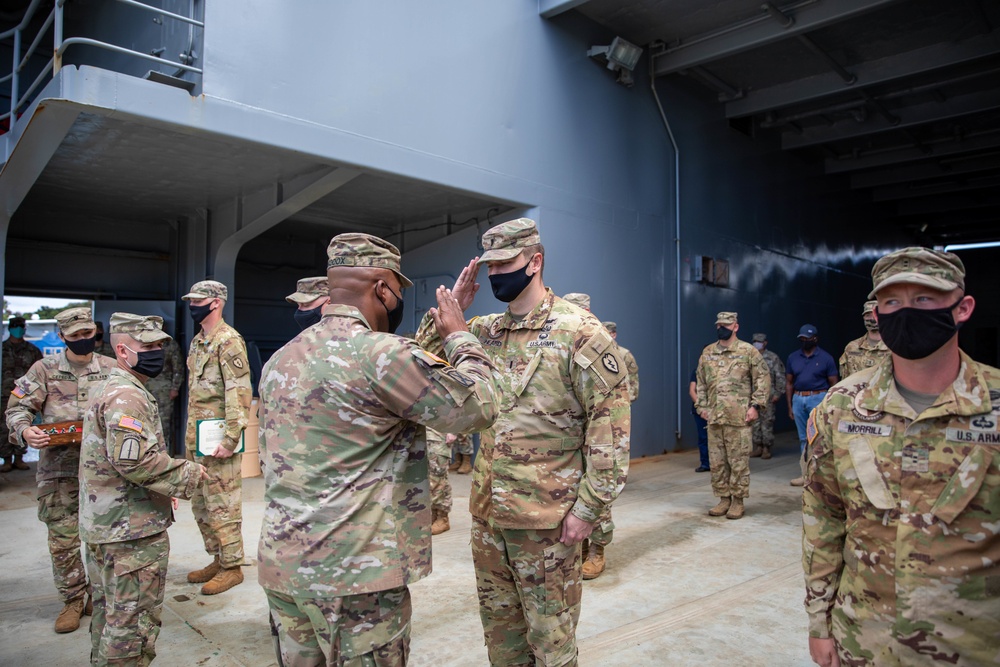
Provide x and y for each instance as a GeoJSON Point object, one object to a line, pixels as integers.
{"type": "Point", "coordinates": [89, 609]}
{"type": "Point", "coordinates": [225, 578]}
{"type": "Point", "coordinates": [205, 573]}
{"type": "Point", "coordinates": [441, 523]}
{"type": "Point", "coordinates": [8, 465]}
{"type": "Point", "coordinates": [456, 464]}
{"type": "Point", "coordinates": [757, 450]}
{"type": "Point", "coordinates": [19, 464]}
{"type": "Point", "coordinates": [722, 507]}
{"type": "Point", "coordinates": [69, 618]}
{"type": "Point", "coordinates": [798, 481]}
{"type": "Point", "coordinates": [466, 466]}
{"type": "Point", "coordinates": [766, 454]}
{"type": "Point", "coordinates": [736, 510]}
{"type": "Point", "coordinates": [595, 562]}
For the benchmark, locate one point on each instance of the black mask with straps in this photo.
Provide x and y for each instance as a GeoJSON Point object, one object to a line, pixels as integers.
{"type": "Point", "coordinates": [396, 314]}
{"type": "Point", "coordinates": [915, 333]}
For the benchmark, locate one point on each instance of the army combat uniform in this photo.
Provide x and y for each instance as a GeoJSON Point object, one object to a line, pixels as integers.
{"type": "Point", "coordinates": [347, 506]}
{"type": "Point", "coordinates": [731, 379]}
{"type": "Point", "coordinates": [560, 445]}
{"type": "Point", "coordinates": [901, 521]}
{"type": "Point", "coordinates": [127, 479]}
{"type": "Point", "coordinates": [762, 430]}
{"type": "Point", "coordinates": [18, 357]}
{"type": "Point", "coordinates": [58, 390]}
{"type": "Point", "coordinates": [860, 354]}
{"type": "Point", "coordinates": [438, 455]}
{"type": "Point", "coordinates": [219, 387]}
{"type": "Point", "coordinates": [171, 379]}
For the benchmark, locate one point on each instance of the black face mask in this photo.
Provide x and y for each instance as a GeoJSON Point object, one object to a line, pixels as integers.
{"type": "Point", "coordinates": [508, 286]}
{"type": "Point", "coordinates": [396, 314]}
{"type": "Point", "coordinates": [81, 347]}
{"type": "Point", "coordinates": [724, 333]}
{"type": "Point", "coordinates": [148, 362]}
{"type": "Point", "coordinates": [808, 345]}
{"type": "Point", "coordinates": [914, 333]}
{"type": "Point", "coordinates": [99, 337]}
{"type": "Point", "coordinates": [307, 318]}
{"type": "Point", "coordinates": [199, 313]}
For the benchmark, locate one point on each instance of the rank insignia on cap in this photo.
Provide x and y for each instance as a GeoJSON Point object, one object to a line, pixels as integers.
{"type": "Point", "coordinates": [18, 392]}
{"type": "Point", "coordinates": [129, 450]}
{"type": "Point", "coordinates": [131, 423]}
{"type": "Point", "coordinates": [610, 362]}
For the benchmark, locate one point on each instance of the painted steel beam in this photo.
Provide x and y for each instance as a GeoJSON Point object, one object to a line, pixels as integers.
{"type": "Point", "coordinates": [909, 116]}
{"type": "Point", "coordinates": [965, 201]}
{"type": "Point", "coordinates": [759, 31]}
{"type": "Point", "coordinates": [925, 170]}
{"type": "Point", "coordinates": [874, 72]}
{"type": "Point", "coordinates": [908, 153]}
{"type": "Point", "coordinates": [893, 192]}
{"type": "Point", "coordinates": [549, 8]}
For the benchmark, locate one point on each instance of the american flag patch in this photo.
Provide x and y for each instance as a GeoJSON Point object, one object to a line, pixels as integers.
{"type": "Point", "coordinates": [131, 423]}
{"type": "Point", "coordinates": [18, 392]}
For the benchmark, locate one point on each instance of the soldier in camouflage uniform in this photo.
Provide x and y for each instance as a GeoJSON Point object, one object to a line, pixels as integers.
{"type": "Point", "coordinates": [901, 508]}
{"type": "Point", "coordinates": [309, 297]}
{"type": "Point", "coordinates": [463, 450]}
{"type": "Point", "coordinates": [438, 451]}
{"type": "Point", "coordinates": [218, 388]}
{"type": "Point", "coordinates": [763, 428]}
{"type": "Point", "coordinates": [734, 386]}
{"type": "Point", "coordinates": [127, 479]}
{"type": "Point", "coordinates": [58, 388]}
{"type": "Point", "coordinates": [867, 351]}
{"type": "Point", "coordinates": [166, 387]}
{"type": "Point", "coordinates": [18, 356]}
{"type": "Point", "coordinates": [102, 347]}
{"type": "Point", "coordinates": [347, 510]}
{"type": "Point", "coordinates": [556, 458]}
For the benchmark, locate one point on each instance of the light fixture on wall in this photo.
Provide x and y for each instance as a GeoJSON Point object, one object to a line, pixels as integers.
{"type": "Point", "coordinates": [622, 56]}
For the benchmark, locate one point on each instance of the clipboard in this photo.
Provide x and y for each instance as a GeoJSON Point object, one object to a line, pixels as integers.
{"type": "Point", "coordinates": [209, 434]}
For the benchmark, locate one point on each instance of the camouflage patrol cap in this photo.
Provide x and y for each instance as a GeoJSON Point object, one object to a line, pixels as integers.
{"type": "Point", "coordinates": [207, 289]}
{"type": "Point", "coordinates": [72, 320]}
{"type": "Point", "coordinates": [936, 269]}
{"type": "Point", "coordinates": [505, 241]}
{"type": "Point", "coordinates": [610, 326]}
{"type": "Point", "coordinates": [726, 317]}
{"type": "Point", "coordinates": [868, 307]}
{"type": "Point", "coordinates": [364, 250]}
{"type": "Point", "coordinates": [759, 338]}
{"type": "Point", "coordinates": [578, 299]}
{"type": "Point", "coordinates": [16, 321]}
{"type": "Point", "coordinates": [309, 289]}
{"type": "Point", "coordinates": [143, 328]}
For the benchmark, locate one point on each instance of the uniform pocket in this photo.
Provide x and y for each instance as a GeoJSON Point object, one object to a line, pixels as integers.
{"type": "Point", "coordinates": [562, 585]}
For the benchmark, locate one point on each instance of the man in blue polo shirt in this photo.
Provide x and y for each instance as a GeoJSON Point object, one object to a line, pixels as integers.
{"type": "Point", "coordinates": [808, 374]}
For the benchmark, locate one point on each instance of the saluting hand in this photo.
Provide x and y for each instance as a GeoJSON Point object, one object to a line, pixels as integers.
{"type": "Point", "coordinates": [448, 317]}
{"type": "Point", "coordinates": [466, 286]}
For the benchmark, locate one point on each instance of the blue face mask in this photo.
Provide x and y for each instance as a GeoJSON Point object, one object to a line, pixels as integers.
{"type": "Point", "coordinates": [17, 332]}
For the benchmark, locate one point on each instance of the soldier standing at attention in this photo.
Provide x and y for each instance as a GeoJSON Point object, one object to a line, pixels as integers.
{"type": "Point", "coordinates": [555, 459]}
{"type": "Point", "coordinates": [463, 449]}
{"type": "Point", "coordinates": [347, 509]}
{"type": "Point", "coordinates": [438, 453]}
{"type": "Point", "coordinates": [127, 479]}
{"type": "Point", "coordinates": [901, 508]}
{"type": "Point", "coordinates": [866, 351]}
{"type": "Point", "coordinates": [309, 297]}
{"type": "Point", "coordinates": [18, 356]}
{"type": "Point", "coordinates": [734, 386]}
{"type": "Point", "coordinates": [58, 388]}
{"type": "Point", "coordinates": [166, 387]}
{"type": "Point", "coordinates": [218, 387]}
{"type": "Point", "coordinates": [763, 428]}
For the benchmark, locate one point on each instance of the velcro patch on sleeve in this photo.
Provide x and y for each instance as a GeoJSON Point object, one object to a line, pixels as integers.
{"type": "Point", "coordinates": [811, 430]}
{"type": "Point", "coordinates": [428, 358]}
{"type": "Point", "coordinates": [603, 358]}
{"type": "Point", "coordinates": [236, 359]}
{"type": "Point", "coordinates": [18, 392]}
{"type": "Point", "coordinates": [129, 449]}
{"type": "Point", "coordinates": [131, 423]}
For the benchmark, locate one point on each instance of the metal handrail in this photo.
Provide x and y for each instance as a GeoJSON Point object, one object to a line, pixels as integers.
{"type": "Point", "coordinates": [60, 45]}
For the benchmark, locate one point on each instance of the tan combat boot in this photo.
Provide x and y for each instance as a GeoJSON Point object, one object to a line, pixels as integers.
{"type": "Point", "coordinates": [736, 510]}
{"type": "Point", "coordinates": [466, 466]}
{"type": "Point", "coordinates": [595, 562]}
{"type": "Point", "coordinates": [441, 523]}
{"type": "Point", "coordinates": [798, 481]}
{"type": "Point", "coordinates": [456, 464]}
{"type": "Point", "coordinates": [8, 465]}
{"type": "Point", "coordinates": [225, 578]}
{"type": "Point", "coordinates": [757, 450]}
{"type": "Point", "coordinates": [69, 618]}
{"type": "Point", "coordinates": [205, 573]}
{"type": "Point", "coordinates": [19, 464]}
{"type": "Point", "coordinates": [721, 508]}
{"type": "Point", "coordinates": [766, 454]}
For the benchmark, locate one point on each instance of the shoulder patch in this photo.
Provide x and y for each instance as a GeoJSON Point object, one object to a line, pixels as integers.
{"type": "Point", "coordinates": [131, 423]}
{"type": "Point", "coordinates": [129, 450]}
{"type": "Point", "coordinates": [428, 358]}
{"type": "Point", "coordinates": [20, 393]}
{"type": "Point", "coordinates": [601, 356]}
{"type": "Point", "coordinates": [235, 357]}
{"type": "Point", "coordinates": [811, 431]}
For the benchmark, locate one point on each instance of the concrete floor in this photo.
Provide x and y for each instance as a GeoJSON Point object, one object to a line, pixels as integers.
{"type": "Point", "coordinates": [681, 588]}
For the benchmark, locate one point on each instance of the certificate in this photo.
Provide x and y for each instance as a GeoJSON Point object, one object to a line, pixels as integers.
{"type": "Point", "coordinates": [209, 434]}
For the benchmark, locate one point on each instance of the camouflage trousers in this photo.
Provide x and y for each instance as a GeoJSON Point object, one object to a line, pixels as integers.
{"type": "Point", "coordinates": [729, 456]}
{"type": "Point", "coordinates": [129, 581]}
{"type": "Point", "coordinates": [59, 510]}
{"type": "Point", "coordinates": [366, 630]}
{"type": "Point", "coordinates": [218, 508]}
{"type": "Point", "coordinates": [530, 585]}
{"type": "Point", "coordinates": [440, 484]}
{"type": "Point", "coordinates": [604, 531]}
{"type": "Point", "coordinates": [763, 428]}
{"type": "Point", "coordinates": [463, 445]}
